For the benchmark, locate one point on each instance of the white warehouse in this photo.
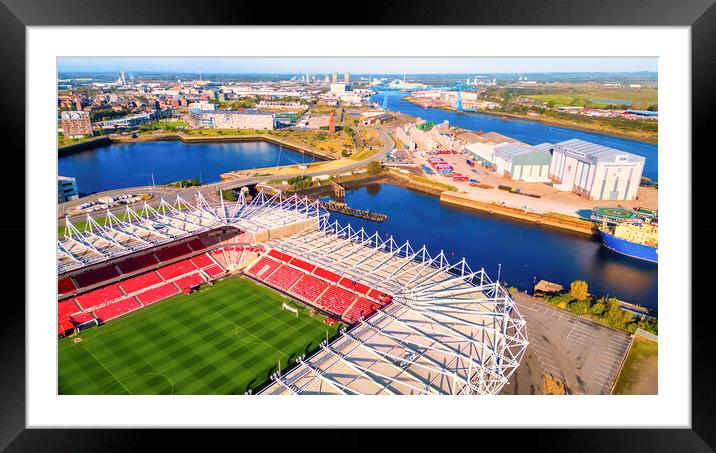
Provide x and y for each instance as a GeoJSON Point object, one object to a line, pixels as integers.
{"type": "Point", "coordinates": [594, 171]}
{"type": "Point", "coordinates": [523, 162]}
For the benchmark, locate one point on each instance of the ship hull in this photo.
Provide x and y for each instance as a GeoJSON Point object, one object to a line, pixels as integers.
{"type": "Point", "coordinates": [631, 249]}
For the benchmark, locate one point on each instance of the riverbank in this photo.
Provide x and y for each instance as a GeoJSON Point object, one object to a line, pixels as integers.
{"type": "Point", "coordinates": [92, 143]}
{"type": "Point", "coordinates": [638, 136]}
{"type": "Point", "coordinates": [550, 219]}
{"type": "Point", "coordinates": [217, 138]}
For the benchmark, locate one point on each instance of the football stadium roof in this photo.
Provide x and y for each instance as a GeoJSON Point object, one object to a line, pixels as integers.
{"type": "Point", "coordinates": [149, 227]}
{"type": "Point", "coordinates": [449, 330]}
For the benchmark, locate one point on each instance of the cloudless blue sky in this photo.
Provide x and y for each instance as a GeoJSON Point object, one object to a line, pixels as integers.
{"type": "Point", "coordinates": [366, 65]}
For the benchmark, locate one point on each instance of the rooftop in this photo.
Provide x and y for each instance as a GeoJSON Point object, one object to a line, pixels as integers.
{"type": "Point", "coordinates": [597, 152]}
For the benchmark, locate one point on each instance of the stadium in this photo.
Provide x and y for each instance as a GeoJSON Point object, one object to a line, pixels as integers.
{"type": "Point", "coordinates": [269, 296]}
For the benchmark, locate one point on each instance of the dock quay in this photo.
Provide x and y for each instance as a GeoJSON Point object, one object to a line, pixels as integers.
{"type": "Point", "coordinates": [343, 208]}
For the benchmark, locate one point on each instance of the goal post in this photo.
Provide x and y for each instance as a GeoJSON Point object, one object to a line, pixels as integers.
{"type": "Point", "coordinates": [286, 306]}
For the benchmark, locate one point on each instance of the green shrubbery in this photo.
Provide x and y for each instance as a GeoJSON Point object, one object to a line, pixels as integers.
{"type": "Point", "coordinates": [579, 302]}
{"type": "Point", "coordinates": [300, 182]}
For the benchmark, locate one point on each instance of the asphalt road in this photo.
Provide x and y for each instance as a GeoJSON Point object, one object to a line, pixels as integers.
{"type": "Point", "coordinates": [209, 190]}
{"type": "Point", "coordinates": [586, 356]}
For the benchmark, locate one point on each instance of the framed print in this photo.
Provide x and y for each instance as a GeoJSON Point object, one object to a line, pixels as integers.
{"type": "Point", "coordinates": [457, 223]}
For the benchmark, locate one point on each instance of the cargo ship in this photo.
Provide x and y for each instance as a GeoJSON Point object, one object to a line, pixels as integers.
{"type": "Point", "coordinates": [631, 233]}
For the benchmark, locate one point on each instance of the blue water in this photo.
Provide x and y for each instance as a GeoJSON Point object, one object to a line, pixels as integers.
{"type": "Point", "coordinates": [530, 132]}
{"type": "Point", "coordinates": [132, 164]}
{"type": "Point", "coordinates": [523, 249]}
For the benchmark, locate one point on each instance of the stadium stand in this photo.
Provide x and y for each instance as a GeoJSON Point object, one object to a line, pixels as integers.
{"type": "Point", "coordinates": [172, 252]}
{"type": "Point", "coordinates": [176, 269]}
{"type": "Point", "coordinates": [281, 256]}
{"type": "Point", "coordinates": [65, 285]}
{"type": "Point", "coordinates": [308, 267]}
{"type": "Point", "coordinates": [136, 263]}
{"type": "Point", "coordinates": [309, 288]}
{"type": "Point", "coordinates": [134, 284]}
{"type": "Point", "coordinates": [214, 270]}
{"type": "Point", "coordinates": [116, 309]}
{"type": "Point", "coordinates": [99, 296]}
{"type": "Point", "coordinates": [82, 318]}
{"type": "Point", "coordinates": [336, 300]}
{"type": "Point", "coordinates": [202, 260]}
{"type": "Point", "coordinates": [219, 256]}
{"type": "Point", "coordinates": [95, 276]}
{"type": "Point", "coordinates": [189, 281]}
{"type": "Point", "coordinates": [66, 308]}
{"type": "Point", "coordinates": [361, 307]}
{"type": "Point", "coordinates": [284, 277]}
{"type": "Point", "coordinates": [354, 286]}
{"type": "Point", "coordinates": [196, 244]}
{"type": "Point", "coordinates": [328, 275]}
{"type": "Point", "coordinates": [264, 267]}
{"type": "Point", "coordinates": [158, 293]}
{"type": "Point", "coordinates": [380, 296]}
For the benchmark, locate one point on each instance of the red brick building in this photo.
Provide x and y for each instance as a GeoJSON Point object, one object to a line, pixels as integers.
{"type": "Point", "coordinates": [75, 124]}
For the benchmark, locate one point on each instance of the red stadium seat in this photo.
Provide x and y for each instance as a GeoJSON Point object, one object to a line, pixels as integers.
{"type": "Point", "coordinates": [284, 277]}
{"type": "Point", "coordinates": [308, 267]}
{"type": "Point", "coordinates": [158, 293]}
{"type": "Point", "coordinates": [202, 261]}
{"type": "Point", "coordinates": [189, 281]}
{"type": "Point", "coordinates": [116, 309]}
{"type": "Point", "coordinates": [176, 269]}
{"type": "Point", "coordinates": [263, 268]}
{"type": "Point", "coordinates": [336, 300]}
{"type": "Point", "coordinates": [362, 307]}
{"type": "Point", "coordinates": [281, 256]}
{"type": "Point", "coordinates": [138, 283]}
{"type": "Point", "coordinates": [81, 318]}
{"type": "Point", "coordinates": [309, 288]}
{"type": "Point", "coordinates": [137, 262]}
{"type": "Point", "coordinates": [172, 252]}
{"type": "Point", "coordinates": [328, 275]}
{"type": "Point", "coordinates": [95, 276]}
{"type": "Point", "coordinates": [214, 270]}
{"type": "Point", "coordinates": [99, 296]}
{"type": "Point", "coordinates": [380, 296]}
{"type": "Point", "coordinates": [65, 285]}
{"type": "Point", "coordinates": [354, 286]}
{"type": "Point", "coordinates": [196, 244]}
{"type": "Point", "coordinates": [67, 307]}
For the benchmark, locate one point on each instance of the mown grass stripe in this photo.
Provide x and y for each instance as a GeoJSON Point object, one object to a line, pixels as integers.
{"type": "Point", "coordinates": [189, 344]}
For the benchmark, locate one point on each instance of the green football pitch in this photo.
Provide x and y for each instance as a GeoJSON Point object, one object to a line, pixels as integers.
{"type": "Point", "coordinates": [223, 339]}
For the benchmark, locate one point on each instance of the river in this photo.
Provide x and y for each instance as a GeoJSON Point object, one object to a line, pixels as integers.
{"type": "Point", "coordinates": [524, 250]}
{"type": "Point", "coordinates": [132, 164]}
{"type": "Point", "coordinates": [526, 131]}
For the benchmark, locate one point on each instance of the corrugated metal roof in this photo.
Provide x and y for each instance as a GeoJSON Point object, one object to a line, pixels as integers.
{"type": "Point", "coordinates": [513, 149]}
{"type": "Point", "coordinates": [596, 152]}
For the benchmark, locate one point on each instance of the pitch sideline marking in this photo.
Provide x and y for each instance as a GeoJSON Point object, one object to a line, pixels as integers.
{"type": "Point", "coordinates": [106, 369]}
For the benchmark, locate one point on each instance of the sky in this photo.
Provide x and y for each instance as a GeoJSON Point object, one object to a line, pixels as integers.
{"type": "Point", "coordinates": [366, 65]}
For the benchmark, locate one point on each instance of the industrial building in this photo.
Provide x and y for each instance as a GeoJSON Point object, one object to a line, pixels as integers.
{"type": "Point", "coordinates": [595, 171]}
{"type": "Point", "coordinates": [482, 145]}
{"type": "Point", "coordinates": [524, 163]}
{"type": "Point", "coordinates": [231, 119]}
{"type": "Point", "coordinates": [66, 189]}
{"type": "Point", "coordinates": [75, 124]}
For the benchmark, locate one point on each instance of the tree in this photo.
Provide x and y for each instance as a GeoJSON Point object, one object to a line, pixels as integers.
{"type": "Point", "coordinates": [195, 181]}
{"type": "Point", "coordinates": [374, 167]}
{"type": "Point", "coordinates": [579, 290]}
{"type": "Point", "coordinates": [580, 307]}
{"type": "Point", "coordinates": [229, 195]}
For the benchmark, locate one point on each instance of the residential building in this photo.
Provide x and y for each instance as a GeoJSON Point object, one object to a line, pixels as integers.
{"type": "Point", "coordinates": [66, 189]}
{"type": "Point", "coordinates": [75, 124]}
{"type": "Point", "coordinates": [231, 119]}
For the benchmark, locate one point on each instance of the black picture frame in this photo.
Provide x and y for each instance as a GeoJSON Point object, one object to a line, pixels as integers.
{"type": "Point", "coordinates": [700, 15]}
